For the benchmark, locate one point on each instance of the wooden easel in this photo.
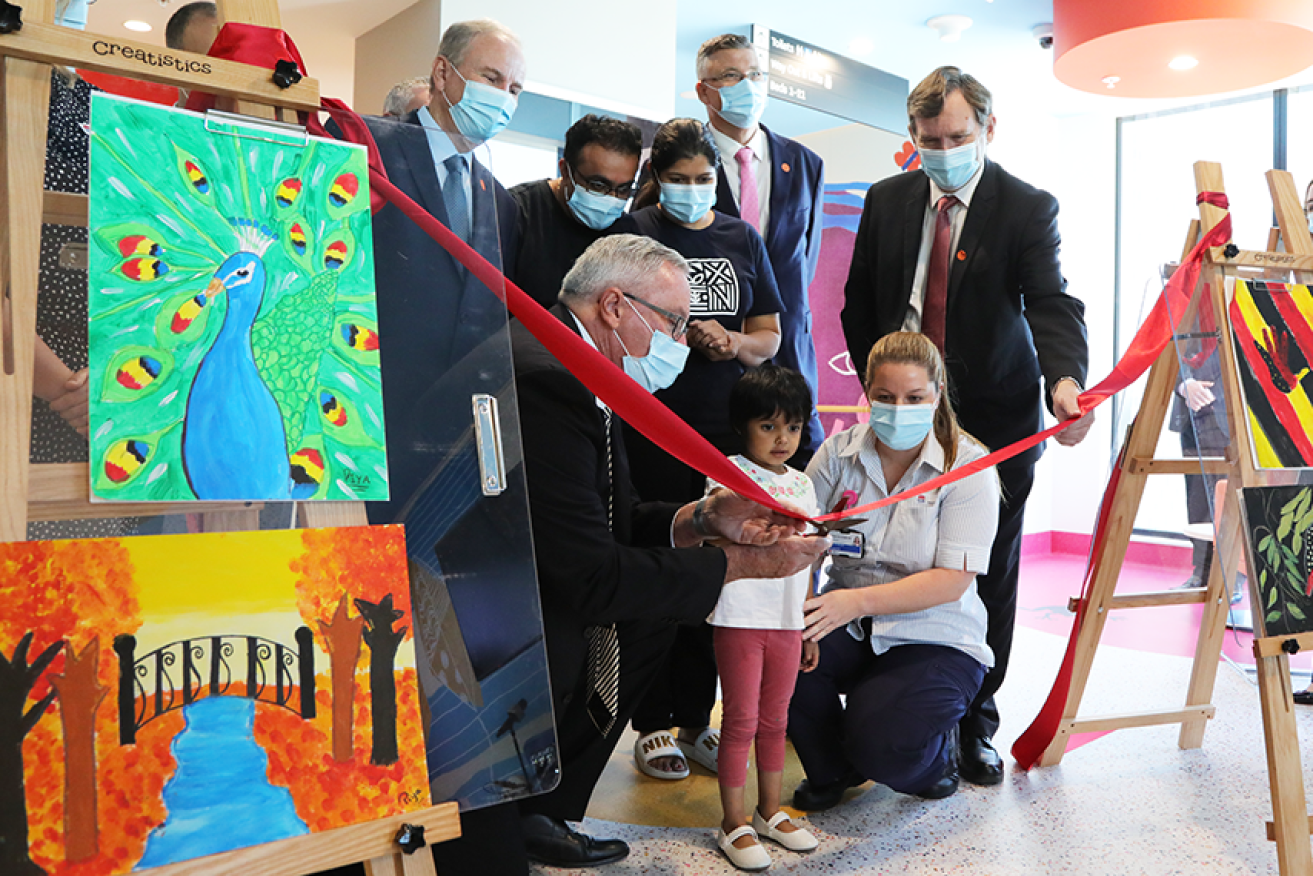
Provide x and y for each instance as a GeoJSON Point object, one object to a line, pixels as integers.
{"type": "Point", "coordinates": [60, 492]}
{"type": "Point", "coordinates": [1291, 825]}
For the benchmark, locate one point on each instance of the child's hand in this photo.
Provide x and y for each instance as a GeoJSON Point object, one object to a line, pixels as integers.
{"type": "Point", "coordinates": [811, 655]}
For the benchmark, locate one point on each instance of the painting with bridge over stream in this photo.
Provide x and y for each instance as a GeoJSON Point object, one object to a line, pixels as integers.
{"type": "Point", "coordinates": [163, 698]}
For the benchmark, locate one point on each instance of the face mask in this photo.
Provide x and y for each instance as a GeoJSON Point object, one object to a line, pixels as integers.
{"type": "Point", "coordinates": [902, 427]}
{"type": "Point", "coordinates": [742, 105]}
{"type": "Point", "coordinates": [483, 111]}
{"type": "Point", "coordinates": [74, 15]}
{"type": "Point", "coordinates": [1309, 217]}
{"type": "Point", "coordinates": [687, 204]}
{"type": "Point", "coordinates": [662, 364]}
{"type": "Point", "coordinates": [594, 210]}
{"type": "Point", "coordinates": [953, 168]}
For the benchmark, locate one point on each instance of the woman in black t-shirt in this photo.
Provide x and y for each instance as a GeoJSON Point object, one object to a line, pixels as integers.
{"type": "Point", "coordinates": [734, 325]}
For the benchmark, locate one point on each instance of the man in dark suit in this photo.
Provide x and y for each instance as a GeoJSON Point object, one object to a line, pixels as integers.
{"type": "Point", "coordinates": [431, 311]}
{"type": "Point", "coordinates": [968, 254]}
{"type": "Point", "coordinates": [786, 205]}
{"type": "Point", "coordinates": [606, 561]}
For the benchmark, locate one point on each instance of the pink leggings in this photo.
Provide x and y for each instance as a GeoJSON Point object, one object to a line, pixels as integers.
{"type": "Point", "coordinates": [758, 669]}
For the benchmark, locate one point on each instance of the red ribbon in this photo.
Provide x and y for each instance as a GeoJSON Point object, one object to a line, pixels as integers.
{"type": "Point", "coordinates": [1032, 743]}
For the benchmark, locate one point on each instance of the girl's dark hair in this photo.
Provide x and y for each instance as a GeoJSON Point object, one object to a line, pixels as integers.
{"type": "Point", "coordinates": [766, 390]}
{"type": "Point", "coordinates": [673, 142]}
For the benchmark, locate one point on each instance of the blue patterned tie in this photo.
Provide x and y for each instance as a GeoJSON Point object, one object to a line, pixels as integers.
{"type": "Point", "coordinates": [456, 198]}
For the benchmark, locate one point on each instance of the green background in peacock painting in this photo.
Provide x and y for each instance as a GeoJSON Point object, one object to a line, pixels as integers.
{"type": "Point", "coordinates": [1279, 523]}
{"type": "Point", "coordinates": [233, 330]}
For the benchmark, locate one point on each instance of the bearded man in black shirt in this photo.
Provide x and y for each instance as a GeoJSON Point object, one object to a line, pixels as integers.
{"type": "Point", "coordinates": [559, 218]}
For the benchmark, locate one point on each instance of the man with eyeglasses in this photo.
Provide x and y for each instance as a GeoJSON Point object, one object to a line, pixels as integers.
{"type": "Point", "coordinates": [783, 198]}
{"type": "Point", "coordinates": [559, 218]}
{"type": "Point", "coordinates": [607, 563]}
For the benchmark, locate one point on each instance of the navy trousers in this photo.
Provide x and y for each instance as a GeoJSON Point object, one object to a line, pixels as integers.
{"type": "Point", "coordinates": [902, 706]}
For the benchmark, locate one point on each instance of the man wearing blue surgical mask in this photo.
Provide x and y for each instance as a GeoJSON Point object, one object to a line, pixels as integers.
{"type": "Point", "coordinates": [432, 312]}
{"type": "Point", "coordinates": [968, 254]}
{"type": "Point", "coordinates": [783, 198]}
{"type": "Point", "coordinates": [559, 218]}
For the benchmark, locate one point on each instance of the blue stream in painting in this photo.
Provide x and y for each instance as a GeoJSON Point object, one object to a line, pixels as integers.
{"type": "Point", "coordinates": [219, 798]}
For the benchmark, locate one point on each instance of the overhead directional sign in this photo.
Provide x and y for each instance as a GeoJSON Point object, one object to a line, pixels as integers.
{"type": "Point", "coordinates": [814, 77]}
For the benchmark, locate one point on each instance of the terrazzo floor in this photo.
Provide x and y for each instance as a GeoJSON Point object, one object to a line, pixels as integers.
{"type": "Point", "coordinates": [1128, 802]}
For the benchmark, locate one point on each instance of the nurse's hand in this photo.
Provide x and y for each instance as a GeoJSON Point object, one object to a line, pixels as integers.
{"type": "Point", "coordinates": [830, 611]}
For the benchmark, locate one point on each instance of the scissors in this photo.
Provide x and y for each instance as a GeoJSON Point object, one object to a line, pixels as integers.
{"type": "Point", "coordinates": [833, 525]}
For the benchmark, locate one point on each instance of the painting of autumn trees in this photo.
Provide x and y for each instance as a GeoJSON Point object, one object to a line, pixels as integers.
{"type": "Point", "coordinates": [223, 630]}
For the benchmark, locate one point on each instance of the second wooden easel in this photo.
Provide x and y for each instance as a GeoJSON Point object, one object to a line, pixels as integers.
{"type": "Point", "coordinates": [60, 492]}
{"type": "Point", "coordinates": [1290, 828]}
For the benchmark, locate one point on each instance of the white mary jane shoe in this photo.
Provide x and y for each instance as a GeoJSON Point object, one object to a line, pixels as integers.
{"type": "Point", "coordinates": [800, 840]}
{"type": "Point", "coordinates": [752, 859]}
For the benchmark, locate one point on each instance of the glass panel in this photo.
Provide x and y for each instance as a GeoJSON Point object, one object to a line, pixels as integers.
{"type": "Point", "coordinates": [1157, 192]}
{"type": "Point", "coordinates": [446, 356]}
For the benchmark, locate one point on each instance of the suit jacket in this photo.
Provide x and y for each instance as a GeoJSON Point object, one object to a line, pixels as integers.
{"type": "Point", "coordinates": [1009, 320]}
{"type": "Point", "coordinates": [431, 311]}
{"type": "Point", "coordinates": [588, 573]}
{"type": "Point", "coordinates": [793, 243]}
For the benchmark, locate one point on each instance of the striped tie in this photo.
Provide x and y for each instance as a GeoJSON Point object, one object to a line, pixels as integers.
{"type": "Point", "coordinates": [604, 642]}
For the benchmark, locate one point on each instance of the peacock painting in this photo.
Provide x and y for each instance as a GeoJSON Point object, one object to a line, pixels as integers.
{"type": "Point", "coordinates": [233, 330]}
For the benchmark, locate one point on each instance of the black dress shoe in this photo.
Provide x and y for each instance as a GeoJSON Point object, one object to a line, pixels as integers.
{"type": "Point", "coordinates": [1304, 697]}
{"type": "Point", "coordinates": [811, 797]}
{"type": "Point", "coordinates": [552, 842]}
{"type": "Point", "coordinates": [945, 787]}
{"type": "Point", "coordinates": [978, 762]}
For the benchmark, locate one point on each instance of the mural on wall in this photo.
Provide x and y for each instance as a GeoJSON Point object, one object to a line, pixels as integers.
{"type": "Point", "coordinates": [163, 698]}
{"type": "Point", "coordinates": [840, 390]}
{"type": "Point", "coordinates": [233, 333]}
{"type": "Point", "coordinates": [1279, 538]}
{"type": "Point", "coordinates": [1272, 324]}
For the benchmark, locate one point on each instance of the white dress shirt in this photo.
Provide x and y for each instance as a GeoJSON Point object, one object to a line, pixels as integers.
{"type": "Point", "coordinates": [958, 216]}
{"type": "Point", "coordinates": [951, 527]}
{"type": "Point", "coordinates": [760, 147]}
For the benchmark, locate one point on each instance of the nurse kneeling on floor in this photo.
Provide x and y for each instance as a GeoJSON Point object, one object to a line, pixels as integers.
{"type": "Point", "coordinates": [900, 625]}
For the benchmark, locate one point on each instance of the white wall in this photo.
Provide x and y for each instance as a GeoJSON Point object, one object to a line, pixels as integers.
{"type": "Point", "coordinates": [622, 59]}
{"type": "Point", "coordinates": [400, 48]}
{"type": "Point", "coordinates": [1074, 158]}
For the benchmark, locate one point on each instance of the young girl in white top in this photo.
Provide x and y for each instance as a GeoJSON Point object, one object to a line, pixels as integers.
{"type": "Point", "coordinates": [758, 626]}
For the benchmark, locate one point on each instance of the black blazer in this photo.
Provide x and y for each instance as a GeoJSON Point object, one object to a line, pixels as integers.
{"type": "Point", "coordinates": [1010, 319]}
{"type": "Point", "coordinates": [589, 574]}
{"type": "Point", "coordinates": [793, 242]}
{"type": "Point", "coordinates": [431, 311]}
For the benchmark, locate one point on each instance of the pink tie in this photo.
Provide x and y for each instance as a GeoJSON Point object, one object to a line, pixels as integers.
{"type": "Point", "coordinates": [934, 307]}
{"type": "Point", "coordinates": [749, 207]}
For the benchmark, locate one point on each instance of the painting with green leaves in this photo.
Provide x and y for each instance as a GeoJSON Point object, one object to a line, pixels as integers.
{"type": "Point", "coordinates": [1279, 529]}
{"type": "Point", "coordinates": [233, 330]}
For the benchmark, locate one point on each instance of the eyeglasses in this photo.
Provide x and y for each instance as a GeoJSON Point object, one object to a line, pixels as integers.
{"type": "Point", "coordinates": [602, 186]}
{"type": "Point", "coordinates": [734, 77]}
{"type": "Point", "coordinates": [678, 324]}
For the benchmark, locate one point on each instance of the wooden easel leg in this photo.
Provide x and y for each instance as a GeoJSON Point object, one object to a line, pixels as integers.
{"type": "Point", "coordinates": [1212, 628]}
{"type": "Point", "coordinates": [1284, 770]}
{"type": "Point", "coordinates": [397, 864]}
{"type": "Point", "coordinates": [25, 86]}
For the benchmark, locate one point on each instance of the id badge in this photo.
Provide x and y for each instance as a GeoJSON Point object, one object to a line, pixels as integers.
{"type": "Point", "coordinates": [847, 543]}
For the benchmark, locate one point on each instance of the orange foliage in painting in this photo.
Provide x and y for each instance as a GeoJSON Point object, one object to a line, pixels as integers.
{"type": "Point", "coordinates": [72, 590]}
{"type": "Point", "coordinates": [130, 784]}
{"type": "Point", "coordinates": [364, 562]}
{"type": "Point", "coordinates": [329, 794]}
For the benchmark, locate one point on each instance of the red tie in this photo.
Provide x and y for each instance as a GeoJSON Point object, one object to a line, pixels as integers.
{"type": "Point", "coordinates": [935, 305]}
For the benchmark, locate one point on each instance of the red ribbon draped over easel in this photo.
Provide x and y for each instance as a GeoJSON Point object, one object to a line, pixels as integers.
{"type": "Point", "coordinates": [642, 411]}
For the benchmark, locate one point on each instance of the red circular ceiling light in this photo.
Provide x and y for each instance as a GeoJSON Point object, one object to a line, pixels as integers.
{"type": "Point", "coordinates": [1237, 44]}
